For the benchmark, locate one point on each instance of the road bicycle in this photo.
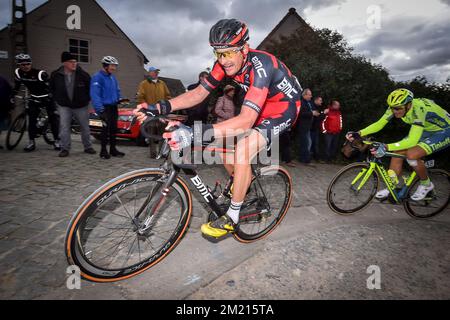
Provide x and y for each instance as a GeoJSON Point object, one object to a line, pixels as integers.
{"type": "Point", "coordinates": [135, 220]}
{"type": "Point", "coordinates": [19, 125]}
{"type": "Point", "coordinates": [354, 187]}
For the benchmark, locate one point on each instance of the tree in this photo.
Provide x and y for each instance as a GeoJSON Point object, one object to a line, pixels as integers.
{"type": "Point", "coordinates": [323, 61]}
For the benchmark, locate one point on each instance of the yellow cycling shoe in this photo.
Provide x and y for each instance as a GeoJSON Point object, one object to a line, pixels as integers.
{"type": "Point", "coordinates": [219, 227]}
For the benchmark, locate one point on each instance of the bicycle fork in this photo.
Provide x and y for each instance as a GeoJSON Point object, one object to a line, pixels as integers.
{"type": "Point", "coordinates": [365, 175]}
{"type": "Point", "coordinates": [161, 194]}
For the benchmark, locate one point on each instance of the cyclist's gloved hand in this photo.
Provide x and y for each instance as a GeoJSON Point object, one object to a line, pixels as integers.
{"type": "Point", "coordinates": [350, 136]}
{"type": "Point", "coordinates": [181, 137]}
{"type": "Point", "coordinates": [152, 110]}
{"type": "Point", "coordinates": [379, 150]}
{"type": "Point", "coordinates": [149, 110]}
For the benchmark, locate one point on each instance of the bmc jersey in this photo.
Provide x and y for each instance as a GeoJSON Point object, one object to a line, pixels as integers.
{"type": "Point", "coordinates": [35, 80]}
{"type": "Point", "coordinates": [269, 85]}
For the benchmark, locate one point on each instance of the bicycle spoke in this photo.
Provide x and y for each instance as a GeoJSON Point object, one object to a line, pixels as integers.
{"type": "Point", "coordinates": [117, 197]}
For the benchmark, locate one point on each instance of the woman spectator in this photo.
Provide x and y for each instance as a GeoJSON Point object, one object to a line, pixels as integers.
{"type": "Point", "coordinates": [225, 107]}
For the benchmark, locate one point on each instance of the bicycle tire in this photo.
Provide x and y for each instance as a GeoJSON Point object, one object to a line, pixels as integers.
{"type": "Point", "coordinates": [441, 191]}
{"type": "Point", "coordinates": [18, 126]}
{"type": "Point", "coordinates": [242, 234]}
{"type": "Point", "coordinates": [91, 208]}
{"type": "Point", "coordinates": [331, 193]}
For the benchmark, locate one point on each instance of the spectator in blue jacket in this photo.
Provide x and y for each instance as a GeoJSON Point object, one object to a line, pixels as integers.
{"type": "Point", "coordinates": [105, 95]}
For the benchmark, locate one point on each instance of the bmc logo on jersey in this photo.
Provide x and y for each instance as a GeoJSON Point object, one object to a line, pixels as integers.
{"type": "Point", "coordinates": [259, 67]}
{"type": "Point", "coordinates": [243, 86]}
{"type": "Point", "coordinates": [278, 129]}
{"type": "Point", "coordinates": [287, 88]}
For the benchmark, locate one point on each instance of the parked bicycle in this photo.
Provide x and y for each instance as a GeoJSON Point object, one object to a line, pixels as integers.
{"type": "Point", "coordinates": [135, 220]}
{"type": "Point", "coordinates": [354, 187]}
{"type": "Point", "coordinates": [18, 126]}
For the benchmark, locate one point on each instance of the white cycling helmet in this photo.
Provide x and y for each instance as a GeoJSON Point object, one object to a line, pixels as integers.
{"type": "Point", "coordinates": [110, 60]}
{"type": "Point", "coordinates": [23, 58]}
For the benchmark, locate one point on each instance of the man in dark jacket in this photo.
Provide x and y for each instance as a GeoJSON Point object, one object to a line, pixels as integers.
{"type": "Point", "coordinates": [70, 88]}
{"type": "Point", "coordinates": [304, 124]}
{"type": "Point", "coordinates": [316, 127]}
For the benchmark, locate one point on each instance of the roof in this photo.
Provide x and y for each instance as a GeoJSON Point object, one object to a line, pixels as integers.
{"type": "Point", "coordinates": [176, 87]}
{"type": "Point", "coordinates": [95, 2]}
{"type": "Point", "coordinates": [291, 13]}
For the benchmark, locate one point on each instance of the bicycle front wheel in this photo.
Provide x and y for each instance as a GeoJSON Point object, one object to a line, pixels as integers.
{"type": "Point", "coordinates": [348, 193]}
{"type": "Point", "coordinates": [104, 238]}
{"type": "Point", "coordinates": [16, 131]}
{"type": "Point", "coordinates": [265, 205]}
{"type": "Point", "coordinates": [435, 202]}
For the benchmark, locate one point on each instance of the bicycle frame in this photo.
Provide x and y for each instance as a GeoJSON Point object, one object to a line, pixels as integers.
{"type": "Point", "coordinates": [375, 165]}
{"type": "Point", "coordinates": [172, 171]}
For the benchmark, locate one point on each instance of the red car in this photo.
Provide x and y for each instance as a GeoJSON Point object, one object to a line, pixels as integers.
{"type": "Point", "coordinates": [127, 125]}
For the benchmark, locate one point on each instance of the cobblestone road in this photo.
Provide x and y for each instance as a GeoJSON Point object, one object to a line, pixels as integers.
{"type": "Point", "coordinates": [39, 192]}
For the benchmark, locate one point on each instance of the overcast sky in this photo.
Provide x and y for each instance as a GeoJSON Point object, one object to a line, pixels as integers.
{"type": "Point", "coordinates": [410, 38]}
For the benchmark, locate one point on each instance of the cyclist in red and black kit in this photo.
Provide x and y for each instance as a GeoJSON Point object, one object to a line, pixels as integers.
{"type": "Point", "coordinates": [36, 81]}
{"type": "Point", "coordinates": [270, 107]}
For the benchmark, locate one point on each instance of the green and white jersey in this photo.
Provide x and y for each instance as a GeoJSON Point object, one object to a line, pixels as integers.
{"type": "Point", "coordinates": [424, 116]}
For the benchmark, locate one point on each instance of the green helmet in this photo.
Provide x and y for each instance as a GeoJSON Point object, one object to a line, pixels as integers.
{"type": "Point", "coordinates": [399, 97]}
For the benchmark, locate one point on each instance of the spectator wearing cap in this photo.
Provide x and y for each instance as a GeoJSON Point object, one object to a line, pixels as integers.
{"type": "Point", "coordinates": [225, 107]}
{"type": "Point", "coordinates": [69, 86]}
{"type": "Point", "coordinates": [152, 90]}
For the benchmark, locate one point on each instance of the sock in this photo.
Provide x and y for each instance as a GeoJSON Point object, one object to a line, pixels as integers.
{"type": "Point", "coordinates": [234, 210]}
{"type": "Point", "coordinates": [425, 183]}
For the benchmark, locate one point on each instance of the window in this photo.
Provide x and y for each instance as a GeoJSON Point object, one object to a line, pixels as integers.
{"type": "Point", "coordinates": [80, 49]}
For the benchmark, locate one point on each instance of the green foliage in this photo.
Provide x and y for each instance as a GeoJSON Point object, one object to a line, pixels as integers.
{"type": "Point", "coordinates": [323, 61]}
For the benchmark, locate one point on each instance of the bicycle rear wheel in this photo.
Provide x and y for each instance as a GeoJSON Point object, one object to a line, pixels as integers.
{"type": "Point", "coordinates": [103, 238]}
{"type": "Point", "coordinates": [266, 204]}
{"type": "Point", "coordinates": [16, 131]}
{"type": "Point", "coordinates": [346, 195]}
{"type": "Point", "coordinates": [435, 202]}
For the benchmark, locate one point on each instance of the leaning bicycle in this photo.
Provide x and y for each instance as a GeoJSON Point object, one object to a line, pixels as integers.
{"type": "Point", "coordinates": [19, 125]}
{"type": "Point", "coordinates": [134, 221]}
{"type": "Point", "coordinates": [354, 187]}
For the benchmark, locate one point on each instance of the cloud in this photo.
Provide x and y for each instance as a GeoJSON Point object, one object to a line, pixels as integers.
{"type": "Point", "coordinates": [416, 44]}
{"type": "Point", "coordinates": [267, 13]}
{"type": "Point", "coordinates": [173, 34]}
